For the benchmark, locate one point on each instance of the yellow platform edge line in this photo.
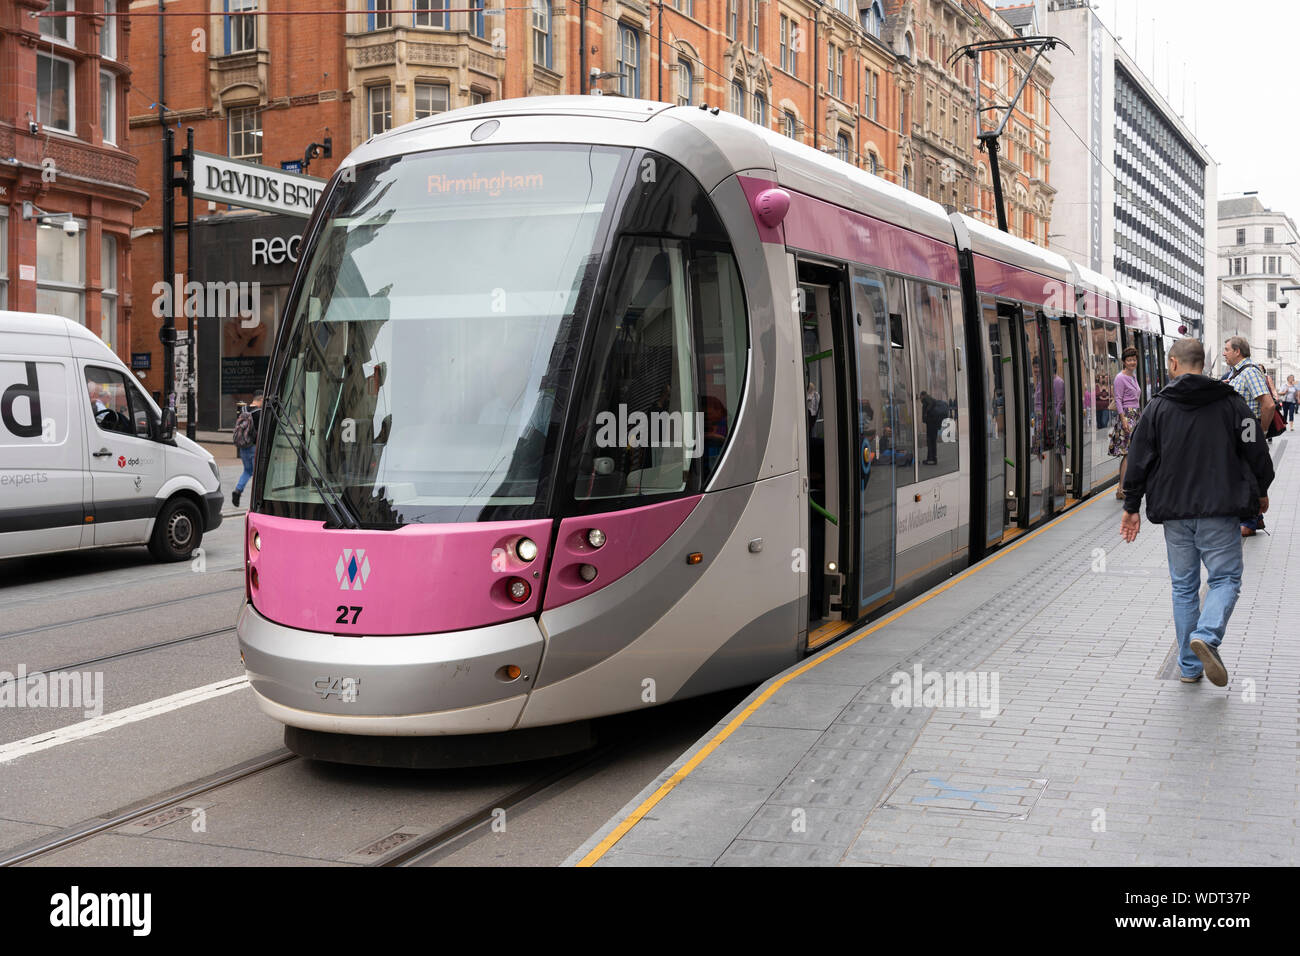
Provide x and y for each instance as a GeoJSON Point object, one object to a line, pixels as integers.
{"type": "Point", "coordinates": [686, 769]}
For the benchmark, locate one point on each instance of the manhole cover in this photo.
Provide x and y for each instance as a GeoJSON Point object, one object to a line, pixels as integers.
{"type": "Point", "coordinates": [1007, 797]}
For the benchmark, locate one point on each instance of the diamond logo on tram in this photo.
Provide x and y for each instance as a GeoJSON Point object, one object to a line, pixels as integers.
{"type": "Point", "coordinates": [352, 569]}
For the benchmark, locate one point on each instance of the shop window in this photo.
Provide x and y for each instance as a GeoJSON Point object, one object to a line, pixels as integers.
{"type": "Point", "coordinates": [55, 92]}
{"type": "Point", "coordinates": [245, 134]}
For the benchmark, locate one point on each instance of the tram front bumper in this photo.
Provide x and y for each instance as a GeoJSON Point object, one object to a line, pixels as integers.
{"type": "Point", "coordinates": [417, 684]}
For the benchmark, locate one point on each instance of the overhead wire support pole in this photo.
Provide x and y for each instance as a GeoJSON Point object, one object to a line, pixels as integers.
{"type": "Point", "coordinates": [988, 139]}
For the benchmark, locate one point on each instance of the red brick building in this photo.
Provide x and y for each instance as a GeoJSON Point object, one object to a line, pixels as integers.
{"type": "Point", "coordinates": [65, 83]}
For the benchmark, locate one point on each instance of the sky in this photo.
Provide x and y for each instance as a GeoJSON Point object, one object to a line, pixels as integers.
{"type": "Point", "coordinates": [1230, 68]}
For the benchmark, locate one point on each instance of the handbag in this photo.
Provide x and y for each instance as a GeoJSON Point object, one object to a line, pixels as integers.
{"type": "Point", "coordinates": [1278, 424]}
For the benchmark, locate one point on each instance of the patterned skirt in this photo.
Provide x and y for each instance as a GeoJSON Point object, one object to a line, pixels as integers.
{"type": "Point", "coordinates": [1122, 432]}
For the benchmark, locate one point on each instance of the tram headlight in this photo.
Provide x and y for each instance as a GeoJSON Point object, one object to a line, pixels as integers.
{"type": "Point", "coordinates": [519, 590]}
{"type": "Point", "coordinates": [595, 537]}
{"type": "Point", "coordinates": [257, 542]}
{"type": "Point", "coordinates": [526, 549]}
{"type": "Point", "coordinates": [587, 572]}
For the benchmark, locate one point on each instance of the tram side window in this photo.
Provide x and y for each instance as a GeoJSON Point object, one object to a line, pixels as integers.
{"type": "Point", "coordinates": [935, 400]}
{"type": "Point", "coordinates": [1101, 386]}
{"type": "Point", "coordinates": [670, 356]}
{"type": "Point", "coordinates": [901, 416]}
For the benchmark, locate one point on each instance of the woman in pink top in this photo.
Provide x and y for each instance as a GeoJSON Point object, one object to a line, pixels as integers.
{"type": "Point", "coordinates": [1128, 396]}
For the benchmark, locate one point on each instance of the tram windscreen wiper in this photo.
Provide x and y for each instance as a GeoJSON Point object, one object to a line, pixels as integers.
{"type": "Point", "coordinates": [340, 511]}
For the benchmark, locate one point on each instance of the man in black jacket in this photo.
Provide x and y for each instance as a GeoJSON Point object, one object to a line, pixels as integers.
{"type": "Point", "coordinates": [1199, 457]}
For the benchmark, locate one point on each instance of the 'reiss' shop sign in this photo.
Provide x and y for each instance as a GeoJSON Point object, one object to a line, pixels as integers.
{"type": "Point", "coordinates": [238, 183]}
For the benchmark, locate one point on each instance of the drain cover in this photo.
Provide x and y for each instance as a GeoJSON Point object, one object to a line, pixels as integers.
{"type": "Point", "coordinates": [384, 845]}
{"type": "Point", "coordinates": [969, 793]}
{"type": "Point", "coordinates": [161, 818]}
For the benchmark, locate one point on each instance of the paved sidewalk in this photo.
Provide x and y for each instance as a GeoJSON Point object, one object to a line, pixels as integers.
{"type": "Point", "coordinates": [1096, 754]}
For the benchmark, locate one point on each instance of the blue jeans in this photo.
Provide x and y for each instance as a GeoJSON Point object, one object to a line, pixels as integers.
{"type": "Point", "coordinates": [246, 456]}
{"type": "Point", "coordinates": [1217, 543]}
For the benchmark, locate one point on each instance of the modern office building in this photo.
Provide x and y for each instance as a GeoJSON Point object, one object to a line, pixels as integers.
{"type": "Point", "coordinates": [1136, 191]}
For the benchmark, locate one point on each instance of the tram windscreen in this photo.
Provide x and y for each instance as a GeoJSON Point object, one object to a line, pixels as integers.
{"type": "Point", "coordinates": [431, 347]}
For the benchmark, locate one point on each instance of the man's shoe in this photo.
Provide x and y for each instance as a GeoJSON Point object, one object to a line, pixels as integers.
{"type": "Point", "coordinates": [1191, 680]}
{"type": "Point", "coordinates": [1209, 657]}
{"type": "Point", "coordinates": [234, 498]}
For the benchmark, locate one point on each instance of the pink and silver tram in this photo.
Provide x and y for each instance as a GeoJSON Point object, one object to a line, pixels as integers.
{"type": "Point", "coordinates": [580, 405]}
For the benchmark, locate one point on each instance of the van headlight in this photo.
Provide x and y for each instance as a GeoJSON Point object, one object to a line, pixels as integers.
{"type": "Point", "coordinates": [216, 472]}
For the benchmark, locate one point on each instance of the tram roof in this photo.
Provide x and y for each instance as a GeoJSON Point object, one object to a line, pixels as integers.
{"type": "Point", "coordinates": [985, 240]}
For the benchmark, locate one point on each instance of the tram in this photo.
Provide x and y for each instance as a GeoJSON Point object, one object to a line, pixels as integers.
{"type": "Point", "coordinates": [580, 405]}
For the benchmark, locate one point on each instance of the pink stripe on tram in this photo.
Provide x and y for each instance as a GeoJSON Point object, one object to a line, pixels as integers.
{"type": "Point", "coordinates": [998, 278]}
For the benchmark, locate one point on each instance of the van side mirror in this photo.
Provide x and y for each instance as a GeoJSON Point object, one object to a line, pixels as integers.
{"type": "Point", "coordinates": [167, 429]}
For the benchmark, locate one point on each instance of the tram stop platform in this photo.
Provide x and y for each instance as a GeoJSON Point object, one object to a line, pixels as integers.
{"type": "Point", "coordinates": [1076, 743]}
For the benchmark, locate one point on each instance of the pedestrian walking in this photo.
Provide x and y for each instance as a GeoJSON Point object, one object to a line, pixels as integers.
{"type": "Point", "coordinates": [246, 425]}
{"type": "Point", "coordinates": [1249, 381]}
{"type": "Point", "coordinates": [1127, 401]}
{"type": "Point", "coordinates": [1289, 402]}
{"type": "Point", "coordinates": [1201, 473]}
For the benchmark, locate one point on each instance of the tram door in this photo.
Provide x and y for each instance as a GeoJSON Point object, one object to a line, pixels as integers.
{"type": "Point", "coordinates": [1079, 399]}
{"type": "Point", "coordinates": [1001, 321]}
{"type": "Point", "coordinates": [1037, 395]}
{"type": "Point", "coordinates": [878, 422]}
{"type": "Point", "coordinates": [822, 322]}
{"type": "Point", "coordinates": [1058, 380]}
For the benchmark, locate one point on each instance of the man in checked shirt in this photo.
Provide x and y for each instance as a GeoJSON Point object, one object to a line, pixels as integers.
{"type": "Point", "coordinates": [1248, 379]}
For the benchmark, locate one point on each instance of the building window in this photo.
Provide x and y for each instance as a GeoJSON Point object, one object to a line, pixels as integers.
{"type": "Point", "coordinates": [381, 14]}
{"type": "Point", "coordinates": [428, 13]}
{"type": "Point", "coordinates": [789, 46]}
{"type": "Point", "coordinates": [1272, 321]}
{"type": "Point", "coordinates": [733, 17]}
{"type": "Point", "coordinates": [1272, 348]}
{"type": "Point", "coordinates": [907, 177]}
{"type": "Point", "coordinates": [108, 35]}
{"type": "Point", "coordinates": [835, 72]}
{"type": "Point", "coordinates": [873, 164]}
{"type": "Point", "coordinates": [108, 296]}
{"type": "Point", "coordinates": [909, 48]}
{"type": "Point", "coordinates": [4, 258]}
{"type": "Point", "coordinates": [108, 107]}
{"type": "Point", "coordinates": [873, 96]}
{"type": "Point", "coordinates": [902, 111]}
{"type": "Point", "coordinates": [629, 62]}
{"type": "Point", "coordinates": [753, 24]}
{"type": "Point", "coordinates": [1241, 237]}
{"type": "Point", "coordinates": [59, 28]}
{"type": "Point", "coordinates": [380, 101]}
{"type": "Point", "coordinates": [431, 99]}
{"type": "Point", "coordinates": [784, 44]}
{"type": "Point", "coordinates": [685, 83]}
{"type": "Point", "coordinates": [843, 150]}
{"type": "Point", "coordinates": [1272, 292]}
{"type": "Point", "coordinates": [760, 110]}
{"type": "Point", "coordinates": [246, 134]}
{"type": "Point", "coordinates": [542, 33]}
{"type": "Point", "coordinates": [791, 125]}
{"type": "Point", "coordinates": [872, 19]}
{"type": "Point", "coordinates": [55, 92]}
{"type": "Point", "coordinates": [1237, 289]}
{"type": "Point", "coordinates": [241, 27]}
{"type": "Point", "coordinates": [737, 98]}
{"type": "Point", "coordinates": [476, 98]}
{"type": "Point", "coordinates": [477, 24]}
{"type": "Point", "coordinates": [1268, 234]}
{"type": "Point", "coordinates": [61, 273]}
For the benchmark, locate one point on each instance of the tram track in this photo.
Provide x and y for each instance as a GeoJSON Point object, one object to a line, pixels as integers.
{"type": "Point", "coordinates": [157, 645]}
{"type": "Point", "coordinates": [153, 807]}
{"type": "Point", "coordinates": [104, 615]}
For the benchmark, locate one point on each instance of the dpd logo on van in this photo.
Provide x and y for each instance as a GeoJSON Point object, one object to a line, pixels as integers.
{"type": "Point", "coordinates": [121, 461]}
{"type": "Point", "coordinates": [352, 569]}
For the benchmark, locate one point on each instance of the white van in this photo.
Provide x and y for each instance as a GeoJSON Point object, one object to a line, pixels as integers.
{"type": "Point", "coordinates": [86, 458]}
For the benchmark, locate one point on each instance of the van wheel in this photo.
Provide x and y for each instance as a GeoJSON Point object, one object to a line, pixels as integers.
{"type": "Point", "coordinates": [177, 532]}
